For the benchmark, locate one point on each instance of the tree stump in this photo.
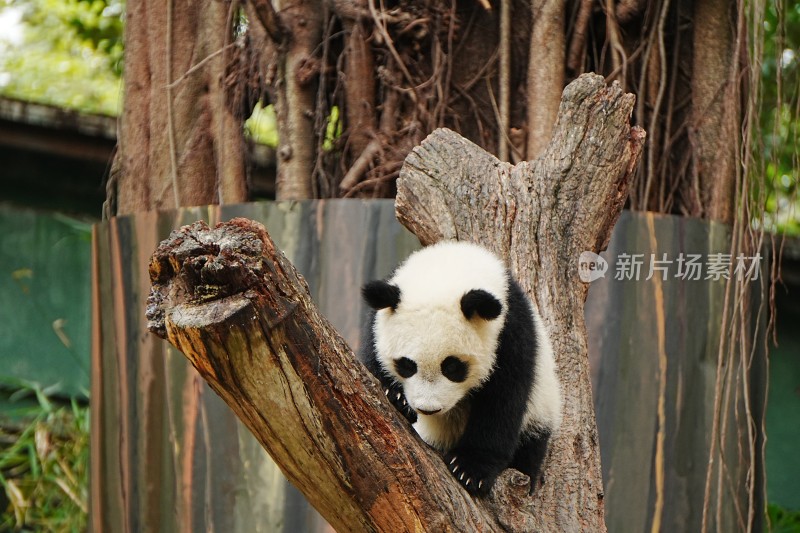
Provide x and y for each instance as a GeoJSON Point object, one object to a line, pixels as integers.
{"type": "Point", "coordinates": [243, 316]}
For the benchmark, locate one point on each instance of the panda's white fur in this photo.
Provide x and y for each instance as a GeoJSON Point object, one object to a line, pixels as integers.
{"type": "Point", "coordinates": [544, 404]}
{"type": "Point", "coordinates": [427, 324]}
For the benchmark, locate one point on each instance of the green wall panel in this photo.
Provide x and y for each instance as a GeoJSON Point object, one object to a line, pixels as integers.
{"type": "Point", "coordinates": [45, 289]}
{"type": "Point", "coordinates": [783, 412]}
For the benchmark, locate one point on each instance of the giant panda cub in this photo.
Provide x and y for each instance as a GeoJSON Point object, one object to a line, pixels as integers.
{"type": "Point", "coordinates": [462, 352]}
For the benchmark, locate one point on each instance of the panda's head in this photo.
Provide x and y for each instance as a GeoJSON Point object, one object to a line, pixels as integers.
{"type": "Point", "coordinates": [438, 322]}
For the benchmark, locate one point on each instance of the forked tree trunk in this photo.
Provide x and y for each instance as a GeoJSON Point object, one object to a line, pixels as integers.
{"type": "Point", "coordinates": [541, 215]}
{"type": "Point", "coordinates": [243, 316]}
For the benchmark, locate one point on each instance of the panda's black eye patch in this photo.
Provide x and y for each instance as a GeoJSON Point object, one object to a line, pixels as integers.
{"type": "Point", "coordinates": [454, 369]}
{"type": "Point", "coordinates": [405, 367]}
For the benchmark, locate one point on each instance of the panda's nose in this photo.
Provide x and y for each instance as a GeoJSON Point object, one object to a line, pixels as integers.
{"type": "Point", "coordinates": [424, 412]}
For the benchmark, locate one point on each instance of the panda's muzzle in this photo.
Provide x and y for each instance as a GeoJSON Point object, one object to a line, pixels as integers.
{"type": "Point", "coordinates": [424, 412]}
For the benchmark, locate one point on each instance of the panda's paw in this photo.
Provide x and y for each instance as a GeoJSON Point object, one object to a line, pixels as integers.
{"type": "Point", "coordinates": [395, 394]}
{"type": "Point", "coordinates": [474, 472]}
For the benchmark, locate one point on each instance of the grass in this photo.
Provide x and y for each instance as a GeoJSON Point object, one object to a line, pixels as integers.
{"type": "Point", "coordinates": [782, 520]}
{"type": "Point", "coordinates": [44, 462]}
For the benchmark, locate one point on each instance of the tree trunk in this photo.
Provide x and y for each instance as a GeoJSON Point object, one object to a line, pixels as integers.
{"type": "Point", "coordinates": [295, 99]}
{"type": "Point", "coordinates": [238, 310]}
{"type": "Point", "coordinates": [716, 120]}
{"type": "Point", "coordinates": [545, 72]}
{"type": "Point", "coordinates": [180, 143]}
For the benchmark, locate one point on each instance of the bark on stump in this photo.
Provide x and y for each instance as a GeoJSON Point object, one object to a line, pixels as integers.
{"type": "Point", "coordinates": [243, 316]}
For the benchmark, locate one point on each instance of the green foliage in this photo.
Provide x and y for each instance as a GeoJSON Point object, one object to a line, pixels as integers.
{"type": "Point", "coordinates": [262, 126]}
{"type": "Point", "coordinates": [69, 55]}
{"type": "Point", "coordinates": [44, 463]}
{"type": "Point", "coordinates": [782, 520]}
{"type": "Point", "coordinates": [333, 130]}
{"type": "Point", "coordinates": [779, 118]}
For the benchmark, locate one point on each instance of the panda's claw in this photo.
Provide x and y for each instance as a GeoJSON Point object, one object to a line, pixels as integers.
{"type": "Point", "coordinates": [394, 392]}
{"type": "Point", "coordinates": [473, 473]}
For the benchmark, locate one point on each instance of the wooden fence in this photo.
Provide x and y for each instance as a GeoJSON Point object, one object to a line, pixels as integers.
{"type": "Point", "coordinates": [168, 455]}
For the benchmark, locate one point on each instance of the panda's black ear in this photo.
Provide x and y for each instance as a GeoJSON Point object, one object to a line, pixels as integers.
{"type": "Point", "coordinates": [482, 303]}
{"type": "Point", "coordinates": [379, 294]}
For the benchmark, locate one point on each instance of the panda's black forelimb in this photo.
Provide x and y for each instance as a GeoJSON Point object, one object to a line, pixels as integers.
{"type": "Point", "coordinates": [394, 391]}
{"type": "Point", "coordinates": [530, 455]}
{"type": "Point", "coordinates": [494, 429]}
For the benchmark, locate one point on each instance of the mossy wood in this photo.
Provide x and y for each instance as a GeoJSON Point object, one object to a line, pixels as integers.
{"type": "Point", "coordinates": [230, 301]}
